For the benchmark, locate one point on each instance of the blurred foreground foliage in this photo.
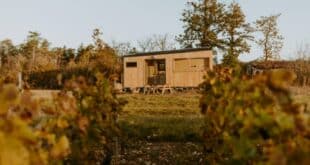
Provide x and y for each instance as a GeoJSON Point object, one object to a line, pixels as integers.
{"type": "Point", "coordinates": [75, 126]}
{"type": "Point", "coordinates": [253, 121]}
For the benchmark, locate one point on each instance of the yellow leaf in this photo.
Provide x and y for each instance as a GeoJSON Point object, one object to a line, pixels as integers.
{"type": "Point", "coordinates": [61, 123]}
{"type": "Point", "coordinates": [12, 151]}
{"type": "Point", "coordinates": [61, 149]}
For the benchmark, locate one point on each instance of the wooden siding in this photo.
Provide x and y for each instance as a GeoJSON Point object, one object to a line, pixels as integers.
{"type": "Point", "coordinates": [185, 69]}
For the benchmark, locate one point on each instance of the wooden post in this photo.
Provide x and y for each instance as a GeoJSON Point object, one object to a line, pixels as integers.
{"type": "Point", "coordinates": [20, 81]}
{"type": "Point", "coordinates": [116, 152]}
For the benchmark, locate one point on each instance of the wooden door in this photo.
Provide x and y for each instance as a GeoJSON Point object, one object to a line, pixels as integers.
{"type": "Point", "coordinates": [131, 75]}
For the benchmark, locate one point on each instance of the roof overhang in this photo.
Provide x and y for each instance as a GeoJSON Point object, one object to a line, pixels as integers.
{"type": "Point", "coordinates": [167, 52]}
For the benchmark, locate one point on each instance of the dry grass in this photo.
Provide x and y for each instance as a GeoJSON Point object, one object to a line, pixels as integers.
{"type": "Point", "coordinates": [44, 94]}
{"type": "Point", "coordinates": [303, 91]}
{"type": "Point", "coordinates": [302, 95]}
{"type": "Point", "coordinates": [175, 104]}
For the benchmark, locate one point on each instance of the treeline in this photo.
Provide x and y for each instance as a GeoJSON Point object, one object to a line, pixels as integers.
{"type": "Point", "coordinates": [75, 126]}
{"type": "Point", "coordinates": [36, 56]}
{"type": "Point", "coordinates": [221, 27]}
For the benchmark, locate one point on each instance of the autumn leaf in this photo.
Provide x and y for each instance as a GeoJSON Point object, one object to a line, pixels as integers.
{"type": "Point", "coordinates": [61, 149]}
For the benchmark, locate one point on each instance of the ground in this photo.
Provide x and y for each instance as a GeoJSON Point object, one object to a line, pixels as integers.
{"type": "Point", "coordinates": [166, 129]}
{"type": "Point", "coordinates": [162, 129]}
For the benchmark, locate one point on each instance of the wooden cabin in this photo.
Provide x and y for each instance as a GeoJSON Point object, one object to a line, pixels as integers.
{"type": "Point", "coordinates": [177, 68]}
{"type": "Point", "coordinates": [300, 68]}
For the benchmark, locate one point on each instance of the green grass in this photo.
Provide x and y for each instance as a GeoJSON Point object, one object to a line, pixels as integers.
{"type": "Point", "coordinates": [163, 128]}
{"type": "Point", "coordinates": [166, 129]}
{"type": "Point", "coordinates": [173, 118]}
{"type": "Point", "coordinates": [160, 118]}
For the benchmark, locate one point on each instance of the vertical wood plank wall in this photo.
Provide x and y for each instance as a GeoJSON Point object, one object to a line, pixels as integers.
{"type": "Point", "coordinates": [136, 77]}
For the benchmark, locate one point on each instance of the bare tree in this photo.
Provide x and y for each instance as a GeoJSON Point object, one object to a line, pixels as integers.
{"type": "Point", "coordinates": [164, 42]}
{"type": "Point", "coordinates": [122, 48]}
{"type": "Point", "coordinates": [146, 45]}
{"type": "Point", "coordinates": [303, 52]}
{"type": "Point", "coordinates": [157, 43]}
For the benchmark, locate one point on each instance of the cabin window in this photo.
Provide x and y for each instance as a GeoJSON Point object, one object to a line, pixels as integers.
{"type": "Point", "coordinates": [207, 63]}
{"type": "Point", "coordinates": [131, 64]}
{"type": "Point", "coordinates": [161, 65]}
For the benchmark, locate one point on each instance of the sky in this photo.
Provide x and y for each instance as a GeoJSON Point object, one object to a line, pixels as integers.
{"type": "Point", "coordinates": [70, 22]}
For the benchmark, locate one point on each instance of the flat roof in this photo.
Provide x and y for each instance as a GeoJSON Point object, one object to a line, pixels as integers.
{"type": "Point", "coordinates": [167, 52]}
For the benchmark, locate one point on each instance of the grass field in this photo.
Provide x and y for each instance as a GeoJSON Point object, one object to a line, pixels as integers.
{"type": "Point", "coordinates": [175, 104]}
{"type": "Point", "coordinates": [162, 117]}
{"type": "Point", "coordinates": [166, 129]}
{"type": "Point", "coordinates": [162, 129]}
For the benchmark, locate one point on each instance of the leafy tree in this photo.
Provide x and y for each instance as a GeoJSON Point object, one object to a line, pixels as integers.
{"type": "Point", "coordinates": [104, 57]}
{"type": "Point", "coordinates": [236, 33]}
{"type": "Point", "coordinates": [37, 52]}
{"type": "Point", "coordinates": [210, 24]}
{"type": "Point", "coordinates": [57, 53]}
{"type": "Point", "coordinates": [7, 49]}
{"type": "Point", "coordinates": [83, 54]}
{"type": "Point", "coordinates": [98, 42]}
{"type": "Point", "coordinates": [202, 20]}
{"type": "Point", "coordinates": [31, 45]}
{"type": "Point", "coordinates": [67, 56]}
{"type": "Point", "coordinates": [272, 40]}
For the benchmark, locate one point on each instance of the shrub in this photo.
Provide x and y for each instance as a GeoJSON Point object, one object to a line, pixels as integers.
{"type": "Point", "coordinates": [96, 122]}
{"type": "Point", "coordinates": [55, 79]}
{"type": "Point", "coordinates": [65, 129]}
{"type": "Point", "coordinates": [21, 141]}
{"type": "Point", "coordinates": [253, 121]}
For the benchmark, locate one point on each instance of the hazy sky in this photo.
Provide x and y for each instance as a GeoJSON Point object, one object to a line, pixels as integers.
{"type": "Point", "coordinates": [70, 22]}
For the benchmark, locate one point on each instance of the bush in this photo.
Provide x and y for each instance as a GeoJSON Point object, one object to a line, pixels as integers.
{"type": "Point", "coordinates": [65, 129]}
{"type": "Point", "coordinates": [96, 123]}
{"type": "Point", "coordinates": [55, 79]}
{"type": "Point", "coordinates": [21, 141]}
{"type": "Point", "coordinates": [253, 121]}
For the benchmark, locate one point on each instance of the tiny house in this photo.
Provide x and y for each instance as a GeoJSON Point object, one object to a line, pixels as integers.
{"type": "Point", "coordinates": [175, 68]}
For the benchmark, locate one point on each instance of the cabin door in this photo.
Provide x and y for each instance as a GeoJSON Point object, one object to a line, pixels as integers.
{"type": "Point", "coordinates": [156, 72]}
{"type": "Point", "coordinates": [131, 75]}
